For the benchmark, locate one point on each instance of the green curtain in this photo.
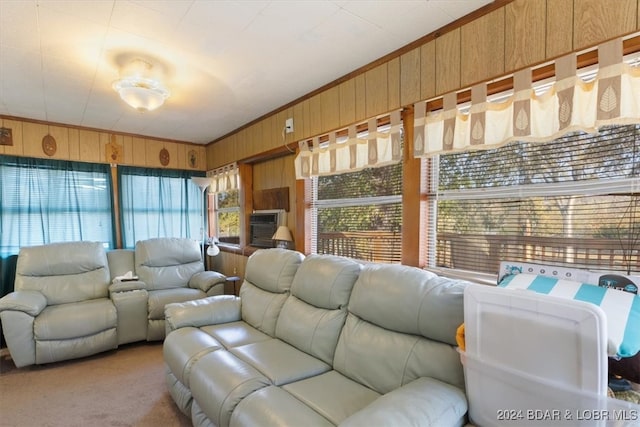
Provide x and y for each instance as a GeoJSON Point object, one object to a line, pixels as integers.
{"type": "Point", "coordinates": [45, 201]}
{"type": "Point", "coordinates": [159, 203]}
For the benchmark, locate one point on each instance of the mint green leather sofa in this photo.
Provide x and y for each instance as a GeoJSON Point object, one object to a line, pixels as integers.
{"type": "Point", "coordinates": [339, 343]}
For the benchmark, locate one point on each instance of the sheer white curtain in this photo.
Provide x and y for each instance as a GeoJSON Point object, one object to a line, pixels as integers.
{"type": "Point", "coordinates": [224, 178]}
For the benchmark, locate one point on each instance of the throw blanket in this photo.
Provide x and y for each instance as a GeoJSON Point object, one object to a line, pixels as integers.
{"type": "Point", "coordinates": [622, 309]}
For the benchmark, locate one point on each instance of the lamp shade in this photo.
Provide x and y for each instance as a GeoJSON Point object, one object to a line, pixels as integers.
{"type": "Point", "coordinates": [202, 181]}
{"type": "Point", "coordinates": [283, 234]}
{"type": "Point", "coordinates": [213, 250]}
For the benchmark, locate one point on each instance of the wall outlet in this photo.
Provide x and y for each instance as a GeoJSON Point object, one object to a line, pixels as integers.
{"type": "Point", "coordinates": [288, 126]}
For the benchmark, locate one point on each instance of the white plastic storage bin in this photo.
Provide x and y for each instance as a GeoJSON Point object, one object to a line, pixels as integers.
{"type": "Point", "coordinates": [534, 359]}
{"type": "Point", "coordinates": [499, 396]}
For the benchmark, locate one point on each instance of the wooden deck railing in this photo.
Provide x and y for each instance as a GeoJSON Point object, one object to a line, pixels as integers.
{"type": "Point", "coordinates": [488, 250]}
{"type": "Point", "coordinates": [603, 254]}
{"type": "Point", "coordinates": [375, 246]}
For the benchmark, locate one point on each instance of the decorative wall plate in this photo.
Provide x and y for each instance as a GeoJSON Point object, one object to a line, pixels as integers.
{"type": "Point", "coordinates": [5, 136]}
{"type": "Point", "coordinates": [114, 151]}
{"type": "Point", "coordinates": [193, 158]}
{"type": "Point", "coordinates": [49, 145]}
{"type": "Point", "coordinates": [164, 157]}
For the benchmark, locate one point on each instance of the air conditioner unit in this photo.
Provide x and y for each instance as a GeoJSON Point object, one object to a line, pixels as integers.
{"type": "Point", "coordinates": [263, 224]}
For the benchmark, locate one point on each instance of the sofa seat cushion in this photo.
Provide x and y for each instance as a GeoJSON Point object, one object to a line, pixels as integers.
{"type": "Point", "coordinates": [332, 395]}
{"type": "Point", "coordinates": [73, 320]}
{"type": "Point", "coordinates": [65, 349]}
{"type": "Point", "coordinates": [272, 406]}
{"type": "Point", "coordinates": [184, 347]}
{"type": "Point", "coordinates": [235, 334]}
{"type": "Point", "coordinates": [279, 361]}
{"type": "Point", "coordinates": [433, 402]}
{"type": "Point", "coordinates": [159, 298]}
{"type": "Point", "coordinates": [219, 381]}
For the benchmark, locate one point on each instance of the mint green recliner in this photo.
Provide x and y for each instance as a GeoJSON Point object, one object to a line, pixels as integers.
{"type": "Point", "coordinates": [167, 270]}
{"type": "Point", "coordinates": [60, 307]}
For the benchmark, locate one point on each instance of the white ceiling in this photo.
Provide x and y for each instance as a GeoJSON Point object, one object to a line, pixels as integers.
{"type": "Point", "coordinates": [228, 62]}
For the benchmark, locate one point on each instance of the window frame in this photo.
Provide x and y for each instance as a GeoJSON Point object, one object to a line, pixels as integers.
{"type": "Point", "coordinates": [314, 205]}
{"type": "Point", "coordinates": [216, 211]}
{"type": "Point", "coordinates": [606, 186]}
{"type": "Point", "coordinates": [191, 191]}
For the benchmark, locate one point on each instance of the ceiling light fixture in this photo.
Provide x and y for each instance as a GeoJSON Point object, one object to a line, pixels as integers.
{"type": "Point", "coordinates": [140, 86]}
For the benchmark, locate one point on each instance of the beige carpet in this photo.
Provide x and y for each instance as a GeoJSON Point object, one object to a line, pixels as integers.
{"type": "Point", "coordinates": [123, 387]}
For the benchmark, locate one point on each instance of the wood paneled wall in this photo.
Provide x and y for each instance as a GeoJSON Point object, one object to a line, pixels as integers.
{"type": "Point", "coordinates": [278, 173]}
{"type": "Point", "coordinates": [93, 146]}
{"type": "Point", "coordinates": [520, 33]}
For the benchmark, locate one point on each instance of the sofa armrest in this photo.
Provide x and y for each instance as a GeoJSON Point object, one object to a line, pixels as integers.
{"type": "Point", "coordinates": [127, 285]}
{"type": "Point", "coordinates": [202, 312]}
{"type": "Point", "coordinates": [425, 401]}
{"type": "Point", "coordinates": [30, 302]}
{"type": "Point", "coordinates": [205, 280]}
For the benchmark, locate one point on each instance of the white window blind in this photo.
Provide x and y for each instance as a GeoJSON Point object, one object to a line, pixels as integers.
{"type": "Point", "coordinates": [359, 214]}
{"type": "Point", "coordinates": [571, 201]}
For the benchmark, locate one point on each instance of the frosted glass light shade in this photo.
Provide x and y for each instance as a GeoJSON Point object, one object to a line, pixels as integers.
{"type": "Point", "coordinates": [141, 93]}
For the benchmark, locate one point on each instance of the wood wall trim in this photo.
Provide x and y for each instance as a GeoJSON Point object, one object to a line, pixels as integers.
{"type": "Point", "coordinates": [116, 207]}
{"type": "Point", "coordinates": [86, 128]}
{"type": "Point", "coordinates": [76, 143]}
{"type": "Point", "coordinates": [246, 201]}
{"type": "Point", "coordinates": [411, 168]}
{"type": "Point", "coordinates": [303, 217]}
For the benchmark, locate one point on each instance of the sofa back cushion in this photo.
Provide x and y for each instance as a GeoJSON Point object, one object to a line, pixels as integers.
{"type": "Point", "coordinates": [313, 315]}
{"type": "Point", "coordinates": [64, 272]}
{"type": "Point", "coordinates": [273, 269]}
{"type": "Point", "coordinates": [168, 262]}
{"type": "Point", "coordinates": [268, 277]}
{"type": "Point", "coordinates": [121, 261]}
{"type": "Point", "coordinates": [401, 326]}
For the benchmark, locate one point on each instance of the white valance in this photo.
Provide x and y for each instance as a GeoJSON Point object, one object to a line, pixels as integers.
{"type": "Point", "coordinates": [374, 149]}
{"type": "Point", "coordinates": [570, 104]}
{"type": "Point", "coordinates": [224, 178]}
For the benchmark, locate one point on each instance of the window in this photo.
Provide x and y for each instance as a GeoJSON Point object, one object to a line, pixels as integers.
{"type": "Point", "coordinates": [227, 216]}
{"type": "Point", "coordinates": [159, 203]}
{"type": "Point", "coordinates": [359, 214]}
{"type": "Point", "coordinates": [572, 201]}
{"type": "Point", "coordinates": [355, 190]}
{"type": "Point", "coordinates": [46, 201]}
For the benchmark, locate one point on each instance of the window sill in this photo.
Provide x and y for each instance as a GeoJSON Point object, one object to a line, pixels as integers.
{"type": "Point", "coordinates": [238, 250]}
{"type": "Point", "coordinates": [471, 276]}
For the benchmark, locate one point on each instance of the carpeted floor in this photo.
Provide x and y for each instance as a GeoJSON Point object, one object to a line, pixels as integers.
{"type": "Point", "coordinates": [123, 387]}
